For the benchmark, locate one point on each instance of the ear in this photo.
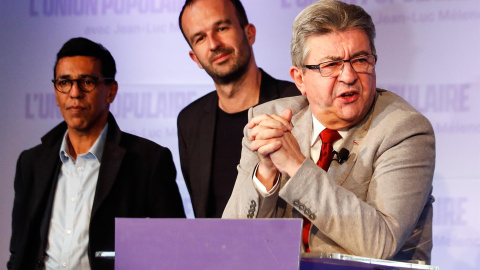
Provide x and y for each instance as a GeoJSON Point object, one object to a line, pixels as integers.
{"type": "Point", "coordinates": [251, 33]}
{"type": "Point", "coordinates": [112, 92]}
{"type": "Point", "coordinates": [56, 96]}
{"type": "Point", "coordinates": [193, 56]}
{"type": "Point", "coordinates": [297, 75]}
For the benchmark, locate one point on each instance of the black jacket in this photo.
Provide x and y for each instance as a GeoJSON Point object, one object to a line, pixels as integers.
{"type": "Point", "coordinates": [136, 179]}
{"type": "Point", "coordinates": [196, 130]}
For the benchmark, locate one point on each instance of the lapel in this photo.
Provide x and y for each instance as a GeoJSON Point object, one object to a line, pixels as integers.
{"type": "Point", "coordinates": [111, 162]}
{"type": "Point", "coordinates": [204, 156]}
{"type": "Point", "coordinates": [46, 169]}
{"type": "Point", "coordinates": [302, 129]}
{"type": "Point", "coordinates": [353, 142]}
{"type": "Point", "coordinates": [45, 177]}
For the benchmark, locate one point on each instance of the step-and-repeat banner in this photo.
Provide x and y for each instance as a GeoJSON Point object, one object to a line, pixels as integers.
{"type": "Point", "coordinates": [428, 53]}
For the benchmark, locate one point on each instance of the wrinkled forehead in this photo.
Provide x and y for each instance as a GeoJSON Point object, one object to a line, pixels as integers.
{"type": "Point", "coordinates": [337, 45]}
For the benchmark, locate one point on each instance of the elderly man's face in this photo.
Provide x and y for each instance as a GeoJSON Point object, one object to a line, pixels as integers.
{"type": "Point", "coordinates": [337, 102]}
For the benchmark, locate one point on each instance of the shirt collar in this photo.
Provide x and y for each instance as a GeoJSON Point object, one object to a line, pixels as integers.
{"type": "Point", "coordinates": [318, 128]}
{"type": "Point", "coordinates": [96, 151]}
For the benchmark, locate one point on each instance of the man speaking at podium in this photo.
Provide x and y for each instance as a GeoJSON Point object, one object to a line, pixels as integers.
{"type": "Point", "coordinates": [86, 172]}
{"type": "Point", "coordinates": [355, 162]}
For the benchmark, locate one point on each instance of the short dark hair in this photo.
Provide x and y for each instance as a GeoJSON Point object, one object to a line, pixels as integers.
{"type": "Point", "coordinates": [239, 11]}
{"type": "Point", "coordinates": [84, 47]}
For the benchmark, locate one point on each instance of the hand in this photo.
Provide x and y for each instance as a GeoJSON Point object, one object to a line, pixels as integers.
{"type": "Point", "coordinates": [268, 134]}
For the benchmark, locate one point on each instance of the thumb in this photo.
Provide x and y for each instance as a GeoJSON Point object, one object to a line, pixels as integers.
{"type": "Point", "coordinates": [287, 115]}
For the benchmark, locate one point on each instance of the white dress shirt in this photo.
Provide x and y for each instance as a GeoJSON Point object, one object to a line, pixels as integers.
{"type": "Point", "coordinates": [68, 236]}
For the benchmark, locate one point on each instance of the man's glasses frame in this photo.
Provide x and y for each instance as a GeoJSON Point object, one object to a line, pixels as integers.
{"type": "Point", "coordinates": [85, 83]}
{"type": "Point", "coordinates": [361, 64]}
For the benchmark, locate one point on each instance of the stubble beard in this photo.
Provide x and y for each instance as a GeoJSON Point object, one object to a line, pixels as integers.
{"type": "Point", "coordinates": [237, 70]}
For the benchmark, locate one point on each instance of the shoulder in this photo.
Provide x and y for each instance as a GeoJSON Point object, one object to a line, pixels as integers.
{"type": "Point", "coordinates": [391, 108]}
{"type": "Point", "coordinates": [50, 142]}
{"type": "Point", "coordinates": [31, 153]}
{"type": "Point", "coordinates": [393, 120]}
{"type": "Point", "coordinates": [280, 88]}
{"type": "Point", "coordinates": [206, 102]}
{"type": "Point", "coordinates": [145, 148]}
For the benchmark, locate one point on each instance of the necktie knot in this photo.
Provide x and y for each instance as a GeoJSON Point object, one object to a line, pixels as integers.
{"type": "Point", "coordinates": [329, 136]}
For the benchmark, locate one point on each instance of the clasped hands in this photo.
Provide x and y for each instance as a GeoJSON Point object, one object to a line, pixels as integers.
{"type": "Point", "coordinates": [277, 148]}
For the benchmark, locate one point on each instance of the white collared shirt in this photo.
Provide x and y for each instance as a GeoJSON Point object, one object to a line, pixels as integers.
{"type": "Point", "coordinates": [68, 235]}
{"type": "Point", "coordinates": [316, 142]}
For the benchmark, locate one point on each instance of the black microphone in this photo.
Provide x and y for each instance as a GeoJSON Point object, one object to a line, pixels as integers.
{"type": "Point", "coordinates": [342, 155]}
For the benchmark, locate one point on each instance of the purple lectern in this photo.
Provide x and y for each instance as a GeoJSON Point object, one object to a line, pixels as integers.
{"type": "Point", "coordinates": [235, 244]}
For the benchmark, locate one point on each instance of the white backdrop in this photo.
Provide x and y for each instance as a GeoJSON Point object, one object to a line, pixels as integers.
{"type": "Point", "coordinates": [428, 53]}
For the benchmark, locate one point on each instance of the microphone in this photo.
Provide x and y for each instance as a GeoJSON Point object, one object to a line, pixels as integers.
{"type": "Point", "coordinates": [342, 155]}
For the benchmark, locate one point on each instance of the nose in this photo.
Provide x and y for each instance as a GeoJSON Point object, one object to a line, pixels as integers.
{"type": "Point", "coordinates": [75, 92]}
{"type": "Point", "coordinates": [348, 75]}
{"type": "Point", "coordinates": [214, 41]}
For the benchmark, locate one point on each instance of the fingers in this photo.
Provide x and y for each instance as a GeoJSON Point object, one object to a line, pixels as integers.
{"type": "Point", "coordinates": [284, 119]}
{"type": "Point", "coordinates": [287, 115]}
{"type": "Point", "coordinates": [257, 120]}
{"type": "Point", "coordinates": [264, 133]}
{"type": "Point", "coordinates": [261, 123]}
{"type": "Point", "coordinates": [265, 147]}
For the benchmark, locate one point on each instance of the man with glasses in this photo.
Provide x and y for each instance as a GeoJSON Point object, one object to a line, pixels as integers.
{"type": "Point", "coordinates": [355, 162]}
{"type": "Point", "coordinates": [210, 129]}
{"type": "Point", "coordinates": [86, 172]}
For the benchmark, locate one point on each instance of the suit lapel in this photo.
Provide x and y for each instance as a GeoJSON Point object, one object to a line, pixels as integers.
{"type": "Point", "coordinates": [46, 169]}
{"type": "Point", "coordinates": [45, 176]}
{"type": "Point", "coordinates": [204, 156]}
{"type": "Point", "coordinates": [354, 143]}
{"type": "Point", "coordinates": [111, 162]}
{"type": "Point", "coordinates": [302, 129]}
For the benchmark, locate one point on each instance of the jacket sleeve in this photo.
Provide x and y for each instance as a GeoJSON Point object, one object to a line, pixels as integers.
{"type": "Point", "coordinates": [376, 209]}
{"type": "Point", "coordinates": [245, 201]}
{"type": "Point", "coordinates": [165, 199]}
{"type": "Point", "coordinates": [19, 211]}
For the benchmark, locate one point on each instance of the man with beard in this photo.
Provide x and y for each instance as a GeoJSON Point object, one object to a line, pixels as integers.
{"type": "Point", "coordinates": [210, 129]}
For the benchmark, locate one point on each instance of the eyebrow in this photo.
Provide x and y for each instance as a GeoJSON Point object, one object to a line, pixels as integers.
{"type": "Point", "coordinates": [225, 21]}
{"type": "Point", "coordinates": [329, 58]}
{"type": "Point", "coordinates": [81, 76]}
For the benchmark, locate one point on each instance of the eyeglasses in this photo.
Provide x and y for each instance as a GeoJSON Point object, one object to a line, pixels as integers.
{"type": "Point", "coordinates": [361, 64]}
{"type": "Point", "coordinates": [86, 84]}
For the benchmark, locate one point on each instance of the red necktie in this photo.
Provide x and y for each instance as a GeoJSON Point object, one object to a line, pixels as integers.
{"type": "Point", "coordinates": [328, 137]}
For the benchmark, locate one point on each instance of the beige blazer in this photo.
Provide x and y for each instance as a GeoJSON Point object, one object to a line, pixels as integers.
{"type": "Point", "coordinates": [377, 204]}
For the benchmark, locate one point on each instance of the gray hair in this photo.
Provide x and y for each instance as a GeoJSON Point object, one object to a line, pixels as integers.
{"type": "Point", "coordinates": [324, 17]}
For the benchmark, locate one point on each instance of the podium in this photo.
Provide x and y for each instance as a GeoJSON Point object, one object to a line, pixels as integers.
{"type": "Point", "coordinates": [335, 261]}
{"type": "Point", "coordinates": [232, 244]}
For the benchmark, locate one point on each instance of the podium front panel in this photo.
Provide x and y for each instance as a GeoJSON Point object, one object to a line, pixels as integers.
{"type": "Point", "coordinates": [232, 244]}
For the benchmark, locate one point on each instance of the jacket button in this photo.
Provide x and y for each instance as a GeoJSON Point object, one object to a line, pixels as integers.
{"type": "Point", "coordinates": [307, 211]}
{"type": "Point", "coordinates": [312, 216]}
{"type": "Point", "coordinates": [302, 207]}
{"type": "Point", "coordinates": [296, 203]}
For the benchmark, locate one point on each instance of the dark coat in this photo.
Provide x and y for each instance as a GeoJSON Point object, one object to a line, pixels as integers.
{"type": "Point", "coordinates": [136, 179]}
{"type": "Point", "coordinates": [196, 131]}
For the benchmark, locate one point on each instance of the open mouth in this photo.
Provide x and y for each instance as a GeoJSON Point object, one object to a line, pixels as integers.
{"type": "Point", "coordinates": [347, 95]}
